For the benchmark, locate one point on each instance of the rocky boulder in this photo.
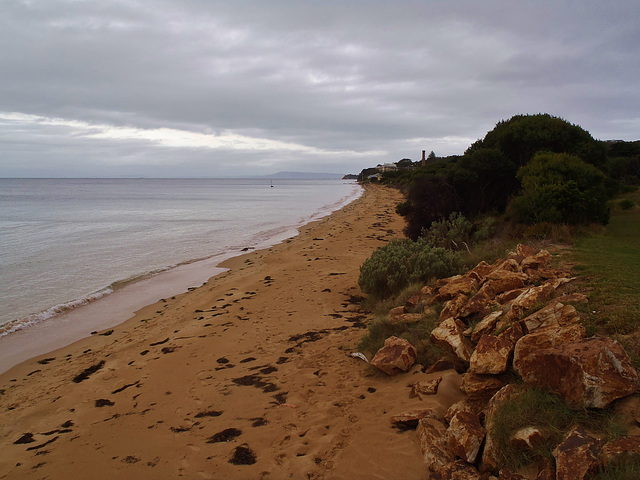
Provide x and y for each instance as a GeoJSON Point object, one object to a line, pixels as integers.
{"type": "Point", "coordinates": [432, 438]}
{"type": "Point", "coordinates": [490, 459]}
{"type": "Point", "coordinates": [622, 450]}
{"type": "Point", "coordinates": [491, 355]}
{"type": "Point", "coordinates": [460, 284]}
{"type": "Point", "coordinates": [578, 456]}
{"type": "Point", "coordinates": [450, 334]}
{"type": "Point", "coordinates": [465, 436]}
{"type": "Point", "coordinates": [480, 387]}
{"type": "Point", "coordinates": [555, 314]}
{"type": "Point", "coordinates": [591, 372]}
{"type": "Point", "coordinates": [397, 355]}
{"type": "Point", "coordinates": [529, 346]}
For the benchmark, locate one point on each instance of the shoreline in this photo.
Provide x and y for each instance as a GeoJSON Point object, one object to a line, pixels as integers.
{"type": "Point", "coordinates": [117, 307]}
{"type": "Point", "coordinates": [252, 367]}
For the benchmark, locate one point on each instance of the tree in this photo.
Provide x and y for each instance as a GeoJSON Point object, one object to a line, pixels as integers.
{"type": "Point", "coordinates": [560, 188]}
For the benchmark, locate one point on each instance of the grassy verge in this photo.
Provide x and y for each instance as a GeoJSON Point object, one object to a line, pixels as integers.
{"type": "Point", "coordinates": [609, 262]}
{"type": "Point", "coordinates": [539, 408]}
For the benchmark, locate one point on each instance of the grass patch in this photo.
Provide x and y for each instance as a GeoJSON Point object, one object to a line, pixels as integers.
{"type": "Point", "coordinates": [610, 264]}
{"type": "Point", "coordinates": [630, 471]}
{"type": "Point", "coordinates": [539, 408]}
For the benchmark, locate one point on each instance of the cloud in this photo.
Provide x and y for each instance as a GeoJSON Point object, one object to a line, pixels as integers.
{"type": "Point", "coordinates": [299, 85]}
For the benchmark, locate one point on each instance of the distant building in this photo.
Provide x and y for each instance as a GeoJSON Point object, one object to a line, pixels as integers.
{"type": "Point", "coordinates": [387, 167]}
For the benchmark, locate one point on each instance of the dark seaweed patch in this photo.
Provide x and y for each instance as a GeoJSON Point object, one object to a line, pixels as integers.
{"type": "Point", "coordinates": [104, 402]}
{"type": "Point", "coordinates": [243, 455]}
{"type": "Point", "coordinates": [225, 435]}
{"type": "Point", "coordinates": [26, 438]}
{"type": "Point", "coordinates": [208, 413]}
{"type": "Point", "coordinates": [88, 371]}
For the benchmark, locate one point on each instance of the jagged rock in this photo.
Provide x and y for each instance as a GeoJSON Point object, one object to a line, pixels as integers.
{"type": "Point", "coordinates": [482, 270]}
{"type": "Point", "coordinates": [467, 405]}
{"type": "Point", "coordinates": [428, 295]}
{"type": "Point", "coordinates": [539, 260]}
{"type": "Point", "coordinates": [449, 334]}
{"type": "Point", "coordinates": [491, 355]}
{"type": "Point", "coordinates": [481, 302]}
{"type": "Point", "coordinates": [413, 301]}
{"type": "Point", "coordinates": [432, 438]}
{"type": "Point", "coordinates": [479, 387]}
{"type": "Point", "coordinates": [409, 420]}
{"type": "Point", "coordinates": [465, 436]}
{"type": "Point", "coordinates": [507, 474]}
{"type": "Point", "coordinates": [527, 438]}
{"type": "Point", "coordinates": [460, 284]}
{"type": "Point", "coordinates": [513, 333]}
{"type": "Point", "coordinates": [509, 295]}
{"type": "Point", "coordinates": [406, 318]}
{"type": "Point", "coordinates": [396, 312]}
{"type": "Point", "coordinates": [622, 450]}
{"type": "Point", "coordinates": [451, 308]}
{"type": "Point", "coordinates": [573, 298]}
{"type": "Point", "coordinates": [428, 387]}
{"type": "Point", "coordinates": [577, 457]}
{"type": "Point", "coordinates": [525, 250]}
{"type": "Point", "coordinates": [535, 343]}
{"type": "Point", "coordinates": [508, 265]}
{"type": "Point", "coordinates": [591, 372]}
{"type": "Point", "coordinates": [486, 325]}
{"type": "Point", "coordinates": [552, 315]}
{"type": "Point", "coordinates": [490, 461]}
{"type": "Point", "coordinates": [397, 355]}
{"type": "Point", "coordinates": [529, 298]}
{"type": "Point", "coordinates": [505, 280]}
{"type": "Point", "coordinates": [458, 470]}
{"type": "Point", "coordinates": [441, 365]}
{"type": "Point", "coordinates": [546, 470]}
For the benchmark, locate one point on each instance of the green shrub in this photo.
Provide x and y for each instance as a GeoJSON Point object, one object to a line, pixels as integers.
{"type": "Point", "coordinates": [560, 188]}
{"type": "Point", "coordinates": [451, 233]}
{"type": "Point", "coordinates": [402, 262]}
{"type": "Point", "coordinates": [626, 204]}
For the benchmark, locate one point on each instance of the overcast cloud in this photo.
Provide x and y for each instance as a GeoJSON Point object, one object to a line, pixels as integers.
{"type": "Point", "coordinates": [221, 88]}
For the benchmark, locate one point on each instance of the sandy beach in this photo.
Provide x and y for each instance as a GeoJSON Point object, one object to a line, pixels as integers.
{"type": "Point", "coordinates": [246, 377]}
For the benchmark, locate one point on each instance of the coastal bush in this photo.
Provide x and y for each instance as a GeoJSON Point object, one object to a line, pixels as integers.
{"type": "Point", "coordinates": [626, 204]}
{"type": "Point", "coordinates": [560, 188]}
{"type": "Point", "coordinates": [402, 262]}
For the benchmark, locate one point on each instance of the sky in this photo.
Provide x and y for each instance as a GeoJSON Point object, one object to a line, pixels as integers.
{"type": "Point", "coordinates": [212, 88]}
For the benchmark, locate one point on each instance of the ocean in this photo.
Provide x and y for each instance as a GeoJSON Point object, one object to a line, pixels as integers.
{"type": "Point", "coordinates": [67, 244]}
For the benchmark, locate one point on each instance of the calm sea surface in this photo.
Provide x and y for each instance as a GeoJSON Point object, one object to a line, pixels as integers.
{"type": "Point", "coordinates": [67, 242]}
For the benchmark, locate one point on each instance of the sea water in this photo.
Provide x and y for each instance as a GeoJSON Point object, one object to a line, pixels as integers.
{"type": "Point", "coordinates": [69, 243]}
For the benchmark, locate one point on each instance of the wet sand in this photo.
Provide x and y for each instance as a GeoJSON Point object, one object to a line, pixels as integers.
{"type": "Point", "coordinates": [246, 377]}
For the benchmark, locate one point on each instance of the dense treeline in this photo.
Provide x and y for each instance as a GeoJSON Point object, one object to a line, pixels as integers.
{"type": "Point", "coordinates": [535, 168]}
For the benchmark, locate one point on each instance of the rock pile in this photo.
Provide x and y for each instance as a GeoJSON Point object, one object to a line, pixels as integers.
{"type": "Point", "coordinates": [514, 317]}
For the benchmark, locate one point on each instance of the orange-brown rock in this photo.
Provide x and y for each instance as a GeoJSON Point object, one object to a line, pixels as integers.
{"type": "Point", "coordinates": [406, 318]}
{"type": "Point", "coordinates": [507, 474]}
{"type": "Point", "coordinates": [465, 436]}
{"type": "Point", "coordinates": [480, 387]}
{"type": "Point", "coordinates": [505, 280]}
{"type": "Point", "coordinates": [397, 355]}
{"type": "Point", "coordinates": [509, 295]}
{"type": "Point", "coordinates": [451, 308]}
{"type": "Point", "coordinates": [481, 302]}
{"type": "Point", "coordinates": [490, 458]}
{"type": "Point", "coordinates": [395, 312]}
{"type": "Point", "coordinates": [513, 333]}
{"type": "Point", "coordinates": [590, 372]}
{"type": "Point", "coordinates": [529, 298]}
{"type": "Point", "coordinates": [539, 260]}
{"type": "Point", "coordinates": [491, 355]}
{"type": "Point", "coordinates": [485, 326]}
{"type": "Point", "coordinates": [527, 438]}
{"type": "Point", "coordinates": [525, 250]}
{"type": "Point", "coordinates": [535, 342]}
{"type": "Point", "coordinates": [552, 315]}
{"type": "Point", "coordinates": [432, 438]}
{"type": "Point", "coordinates": [413, 301]}
{"type": "Point", "coordinates": [458, 470]}
{"type": "Point", "coordinates": [509, 265]}
{"type": "Point", "coordinates": [482, 270]}
{"type": "Point", "coordinates": [425, 387]}
{"type": "Point", "coordinates": [460, 284]}
{"type": "Point", "coordinates": [449, 334]}
{"type": "Point", "coordinates": [578, 456]}
{"type": "Point", "coordinates": [622, 450]}
{"type": "Point", "coordinates": [409, 420]}
{"type": "Point", "coordinates": [475, 407]}
{"type": "Point", "coordinates": [444, 363]}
